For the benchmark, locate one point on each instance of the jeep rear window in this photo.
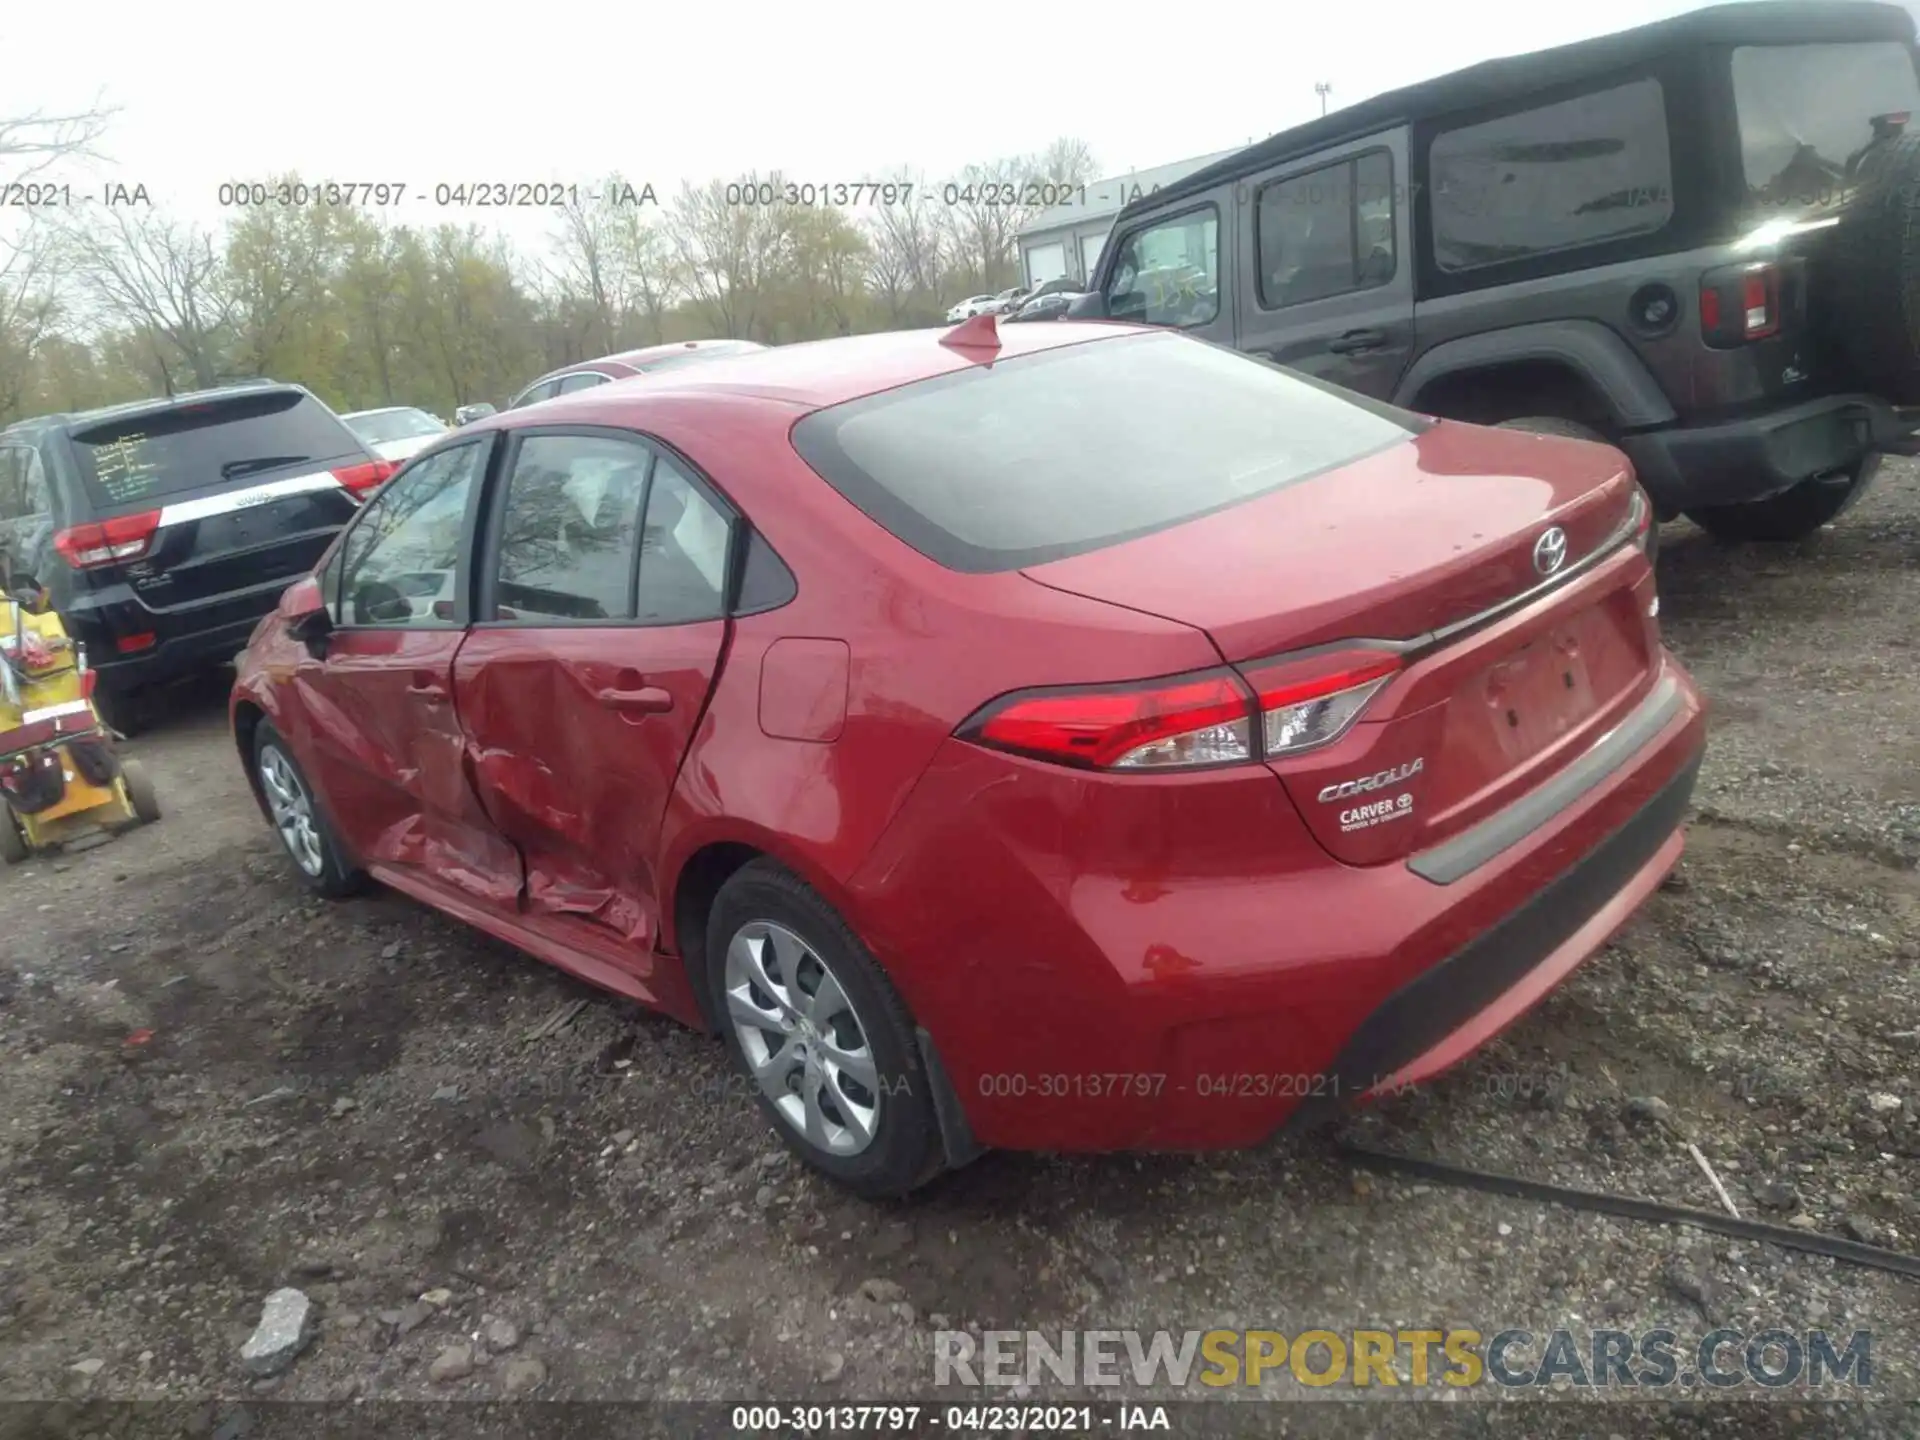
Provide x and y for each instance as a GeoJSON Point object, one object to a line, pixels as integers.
{"type": "Point", "coordinates": [1579, 172]}
{"type": "Point", "coordinates": [1069, 450]}
{"type": "Point", "coordinates": [237, 440]}
{"type": "Point", "coordinates": [1808, 113]}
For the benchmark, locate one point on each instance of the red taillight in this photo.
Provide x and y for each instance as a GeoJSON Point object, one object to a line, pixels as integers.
{"type": "Point", "coordinates": [1307, 701]}
{"type": "Point", "coordinates": [363, 480]}
{"type": "Point", "coordinates": [1740, 303]}
{"type": "Point", "coordinates": [1187, 722]}
{"type": "Point", "coordinates": [107, 542]}
{"type": "Point", "coordinates": [1179, 722]}
{"type": "Point", "coordinates": [133, 644]}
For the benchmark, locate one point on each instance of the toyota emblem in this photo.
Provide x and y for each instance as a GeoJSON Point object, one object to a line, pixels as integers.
{"type": "Point", "coordinates": [1550, 550]}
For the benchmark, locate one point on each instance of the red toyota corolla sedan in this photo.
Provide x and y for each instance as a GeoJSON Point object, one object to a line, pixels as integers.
{"type": "Point", "coordinates": [1078, 738]}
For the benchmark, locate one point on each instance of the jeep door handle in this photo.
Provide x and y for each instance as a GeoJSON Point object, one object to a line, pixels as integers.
{"type": "Point", "coordinates": [425, 687]}
{"type": "Point", "coordinates": [1354, 341]}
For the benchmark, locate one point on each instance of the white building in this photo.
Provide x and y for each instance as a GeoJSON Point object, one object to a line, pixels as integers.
{"type": "Point", "coordinates": [1066, 239]}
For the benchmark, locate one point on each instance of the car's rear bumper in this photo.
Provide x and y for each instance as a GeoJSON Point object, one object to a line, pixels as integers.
{"type": "Point", "coordinates": [1139, 963]}
{"type": "Point", "coordinates": [1692, 467]}
{"type": "Point", "coordinates": [184, 643]}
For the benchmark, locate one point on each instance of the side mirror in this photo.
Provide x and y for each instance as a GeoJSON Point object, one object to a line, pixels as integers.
{"type": "Point", "coordinates": [467, 414]}
{"type": "Point", "coordinates": [303, 609]}
{"type": "Point", "coordinates": [1091, 306]}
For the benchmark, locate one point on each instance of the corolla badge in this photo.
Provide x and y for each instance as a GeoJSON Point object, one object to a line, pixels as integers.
{"type": "Point", "coordinates": [1550, 550]}
{"type": "Point", "coordinates": [1346, 789]}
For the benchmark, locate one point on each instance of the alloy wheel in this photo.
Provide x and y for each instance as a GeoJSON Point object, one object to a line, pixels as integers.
{"type": "Point", "coordinates": [802, 1038]}
{"type": "Point", "coordinates": [291, 806]}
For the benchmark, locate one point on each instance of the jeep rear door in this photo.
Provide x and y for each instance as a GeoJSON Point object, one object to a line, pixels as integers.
{"type": "Point", "coordinates": [1325, 279]}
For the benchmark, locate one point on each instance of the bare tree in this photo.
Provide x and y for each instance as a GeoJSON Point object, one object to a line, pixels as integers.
{"type": "Point", "coordinates": [32, 144]}
{"type": "Point", "coordinates": [907, 253]}
{"type": "Point", "coordinates": [728, 250]}
{"type": "Point", "coordinates": [168, 281]}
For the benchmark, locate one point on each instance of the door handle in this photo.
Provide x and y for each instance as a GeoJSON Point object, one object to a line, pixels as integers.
{"type": "Point", "coordinates": [427, 688]}
{"type": "Point", "coordinates": [646, 700]}
{"type": "Point", "coordinates": [1354, 341]}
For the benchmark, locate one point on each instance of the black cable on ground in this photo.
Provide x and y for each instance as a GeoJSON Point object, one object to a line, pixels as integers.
{"type": "Point", "coordinates": [1628, 1207]}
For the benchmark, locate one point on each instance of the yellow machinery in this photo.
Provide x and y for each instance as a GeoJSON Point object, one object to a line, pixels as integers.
{"type": "Point", "coordinates": [60, 777]}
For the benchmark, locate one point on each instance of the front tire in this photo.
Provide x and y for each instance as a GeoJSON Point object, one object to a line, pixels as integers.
{"type": "Point", "coordinates": [309, 840]}
{"type": "Point", "coordinates": [1792, 514]}
{"type": "Point", "coordinates": [812, 1021]}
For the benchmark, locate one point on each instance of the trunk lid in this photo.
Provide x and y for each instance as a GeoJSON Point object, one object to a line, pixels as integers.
{"type": "Point", "coordinates": [242, 485]}
{"type": "Point", "coordinates": [1416, 545]}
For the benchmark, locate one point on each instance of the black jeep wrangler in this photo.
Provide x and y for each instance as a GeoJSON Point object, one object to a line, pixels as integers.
{"type": "Point", "coordinates": [1698, 240]}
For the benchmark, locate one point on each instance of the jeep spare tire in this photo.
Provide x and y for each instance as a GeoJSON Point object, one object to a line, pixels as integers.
{"type": "Point", "coordinates": [1874, 274]}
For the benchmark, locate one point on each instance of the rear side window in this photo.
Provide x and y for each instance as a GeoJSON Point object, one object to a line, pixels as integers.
{"type": "Point", "coordinates": [718, 350]}
{"type": "Point", "coordinates": [145, 458]}
{"type": "Point", "coordinates": [569, 529]}
{"type": "Point", "coordinates": [1810, 113]}
{"type": "Point", "coordinates": [1050, 455]}
{"type": "Point", "coordinates": [581, 382]}
{"type": "Point", "coordinates": [1328, 232]}
{"type": "Point", "coordinates": [1579, 172]}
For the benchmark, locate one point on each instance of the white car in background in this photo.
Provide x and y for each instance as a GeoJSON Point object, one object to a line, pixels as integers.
{"type": "Point", "coordinates": [968, 308]}
{"type": "Point", "coordinates": [397, 432]}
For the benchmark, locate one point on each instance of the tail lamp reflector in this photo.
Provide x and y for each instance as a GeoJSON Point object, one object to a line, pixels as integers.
{"type": "Point", "coordinates": [1191, 721]}
{"type": "Point", "coordinates": [363, 480]}
{"type": "Point", "coordinates": [107, 542]}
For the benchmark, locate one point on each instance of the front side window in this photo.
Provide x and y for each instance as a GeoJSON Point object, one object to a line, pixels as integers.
{"type": "Point", "coordinates": [1809, 114]}
{"type": "Point", "coordinates": [1579, 172]}
{"type": "Point", "coordinates": [400, 562]}
{"type": "Point", "coordinates": [569, 530]}
{"type": "Point", "coordinates": [1328, 232]}
{"type": "Point", "coordinates": [1068, 450]}
{"type": "Point", "coordinates": [1169, 274]}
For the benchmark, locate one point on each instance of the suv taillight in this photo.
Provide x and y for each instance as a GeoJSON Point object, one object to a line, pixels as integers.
{"type": "Point", "coordinates": [1187, 722]}
{"type": "Point", "coordinates": [107, 542]}
{"type": "Point", "coordinates": [1739, 303]}
{"type": "Point", "coordinates": [363, 480]}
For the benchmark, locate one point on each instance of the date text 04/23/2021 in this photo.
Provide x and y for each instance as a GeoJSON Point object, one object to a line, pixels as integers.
{"type": "Point", "coordinates": [974, 1419]}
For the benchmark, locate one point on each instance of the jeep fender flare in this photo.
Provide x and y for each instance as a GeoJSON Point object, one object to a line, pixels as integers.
{"type": "Point", "coordinates": [1589, 349]}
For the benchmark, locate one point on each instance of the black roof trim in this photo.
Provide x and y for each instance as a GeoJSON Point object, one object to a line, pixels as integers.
{"type": "Point", "coordinates": [1757, 22]}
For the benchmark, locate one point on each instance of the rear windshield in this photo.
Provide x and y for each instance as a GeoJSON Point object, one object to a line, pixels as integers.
{"type": "Point", "coordinates": [169, 452]}
{"type": "Point", "coordinates": [1810, 113]}
{"type": "Point", "coordinates": [719, 350]}
{"type": "Point", "coordinates": [383, 426]}
{"type": "Point", "coordinates": [1054, 454]}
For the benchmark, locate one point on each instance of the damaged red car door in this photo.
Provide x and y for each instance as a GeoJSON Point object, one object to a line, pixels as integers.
{"type": "Point", "coordinates": [377, 703]}
{"type": "Point", "coordinates": [599, 630]}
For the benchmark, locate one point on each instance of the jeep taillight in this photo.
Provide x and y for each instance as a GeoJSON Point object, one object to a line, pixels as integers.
{"type": "Point", "coordinates": [107, 542]}
{"type": "Point", "coordinates": [1740, 303]}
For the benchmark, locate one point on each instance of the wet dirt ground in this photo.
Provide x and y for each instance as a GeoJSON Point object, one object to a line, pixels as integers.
{"type": "Point", "coordinates": [345, 1098]}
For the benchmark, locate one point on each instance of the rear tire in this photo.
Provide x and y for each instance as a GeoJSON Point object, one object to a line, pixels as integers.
{"type": "Point", "coordinates": [146, 805]}
{"type": "Point", "coordinates": [1574, 430]}
{"type": "Point", "coordinates": [13, 840]}
{"type": "Point", "coordinates": [297, 818]}
{"type": "Point", "coordinates": [788, 979]}
{"type": "Point", "coordinates": [1792, 514]}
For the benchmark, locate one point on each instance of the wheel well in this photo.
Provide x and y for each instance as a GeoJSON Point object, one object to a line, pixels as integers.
{"type": "Point", "coordinates": [700, 880]}
{"type": "Point", "coordinates": [246, 723]}
{"type": "Point", "coordinates": [1493, 393]}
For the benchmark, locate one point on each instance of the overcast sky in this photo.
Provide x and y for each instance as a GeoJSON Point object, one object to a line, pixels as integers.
{"type": "Point", "coordinates": [357, 91]}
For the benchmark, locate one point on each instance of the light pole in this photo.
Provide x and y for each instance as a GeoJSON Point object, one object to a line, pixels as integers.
{"type": "Point", "coordinates": [1322, 89]}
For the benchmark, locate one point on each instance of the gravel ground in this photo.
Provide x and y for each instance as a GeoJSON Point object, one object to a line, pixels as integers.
{"type": "Point", "coordinates": [344, 1099]}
